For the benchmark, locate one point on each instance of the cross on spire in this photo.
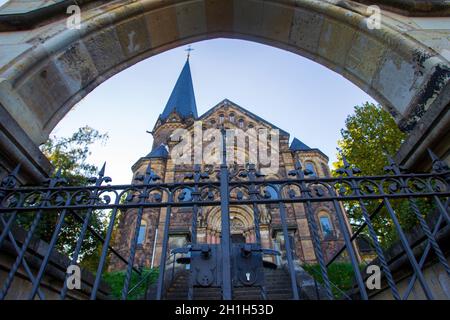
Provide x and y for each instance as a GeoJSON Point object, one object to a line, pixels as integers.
{"type": "Point", "coordinates": [188, 50]}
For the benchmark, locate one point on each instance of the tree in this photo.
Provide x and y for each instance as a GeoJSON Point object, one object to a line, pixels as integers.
{"type": "Point", "coordinates": [369, 134]}
{"type": "Point", "coordinates": [70, 155]}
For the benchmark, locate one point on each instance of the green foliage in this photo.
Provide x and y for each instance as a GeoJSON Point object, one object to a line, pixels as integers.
{"type": "Point", "coordinates": [341, 276]}
{"type": "Point", "coordinates": [116, 280]}
{"type": "Point", "coordinates": [369, 134]}
{"type": "Point", "coordinates": [70, 155]}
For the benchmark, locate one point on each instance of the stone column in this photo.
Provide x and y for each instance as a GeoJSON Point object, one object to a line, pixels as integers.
{"type": "Point", "coordinates": [208, 236]}
{"type": "Point", "coordinates": [306, 252]}
{"type": "Point", "coordinates": [201, 235]}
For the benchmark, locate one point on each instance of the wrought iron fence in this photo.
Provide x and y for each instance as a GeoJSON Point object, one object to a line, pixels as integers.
{"type": "Point", "coordinates": [371, 195]}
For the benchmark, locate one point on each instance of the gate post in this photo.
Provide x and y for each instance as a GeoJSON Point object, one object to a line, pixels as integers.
{"type": "Point", "coordinates": [225, 220]}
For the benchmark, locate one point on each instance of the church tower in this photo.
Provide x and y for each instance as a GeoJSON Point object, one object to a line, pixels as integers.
{"type": "Point", "coordinates": [180, 112]}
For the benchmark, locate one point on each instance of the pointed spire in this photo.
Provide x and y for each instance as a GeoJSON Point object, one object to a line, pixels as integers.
{"type": "Point", "coordinates": [182, 99]}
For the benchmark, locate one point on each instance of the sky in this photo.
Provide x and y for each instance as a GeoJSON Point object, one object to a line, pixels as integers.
{"type": "Point", "coordinates": [301, 97]}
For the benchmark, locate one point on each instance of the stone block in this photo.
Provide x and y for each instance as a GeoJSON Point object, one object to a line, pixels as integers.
{"type": "Point", "coordinates": [10, 51]}
{"type": "Point", "coordinates": [133, 36]}
{"type": "Point", "coordinates": [76, 65]}
{"type": "Point", "coordinates": [335, 42]}
{"type": "Point", "coordinates": [18, 108]}
{"type": "Point", "coordinates": [162, 26]}
{"type": "Point", "coordinates": [191, 19]}
{"type": "Point", "coordinates": [248, 16]}
{"type": "Point", "coordinates": [277, 21]}
{"type": "Point", "coordinates": [398, 80]}
{"type": "Point", "coordinates": [439, 40]}
{"type": "Point", "coordinates": [219, 15]}
{"type": "Point", "coordinates": [104, 49]}
{"type": "Point", "coordinates": [305, 31]}
{"type": "Point", "coordinates": [363, 57]}
{"type": "Point", "coordinates": [303, 227]}
{"type": "Point", "coordinates": [308, 250]}
{"type": "Point", "coordinates": [38, 99]}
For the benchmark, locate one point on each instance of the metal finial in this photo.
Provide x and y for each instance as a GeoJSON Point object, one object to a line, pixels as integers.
{"type": "Point", "coordinates": [437, 164]}
{"type": "Point", "coordinates": [347, 169]}
{"type": "Point", "coordinates": [101, 173]}
{"type": "Point", "coordinates": [390, 159]}
{"type": "Point", "coordinates": [433, 156]}
{"type": "Point", "coordinates": [188, 50]}
{"type": "Point", "coordinates": [58, 173]}
{"type": "Point", "coordinates": [345, 161]}
{"type": "Point", "coordinates": [16, 170]}
{"type": "Point", "coordinates": [393, 166]}
{"type": "Point", "coordinates": [57, 178]}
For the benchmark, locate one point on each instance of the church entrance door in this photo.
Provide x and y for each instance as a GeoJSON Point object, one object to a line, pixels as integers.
{"type": "Point", "coordinates": [237, 238]}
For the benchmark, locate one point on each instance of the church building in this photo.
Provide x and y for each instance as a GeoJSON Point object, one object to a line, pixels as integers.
{"type": "Point", "coordinates": [180, 112]}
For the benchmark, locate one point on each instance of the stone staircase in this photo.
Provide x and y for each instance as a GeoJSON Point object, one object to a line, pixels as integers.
{"type": "Point", "coordinates": [277, 282]}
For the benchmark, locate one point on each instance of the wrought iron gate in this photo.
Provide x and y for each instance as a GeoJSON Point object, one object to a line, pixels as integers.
{"type": "Point", "coordinates": [248, 187]}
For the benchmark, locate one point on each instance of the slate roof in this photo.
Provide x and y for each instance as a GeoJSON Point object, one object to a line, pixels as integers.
{"type": "Point", "coordinates": [182, 98]}
{"type": "Point", "coordinates": [159, 152]}
{"type": "Point", "coordinates": [297, 145]}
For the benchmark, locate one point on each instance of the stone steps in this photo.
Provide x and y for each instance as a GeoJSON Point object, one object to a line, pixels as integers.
{"type": "Point", "coordinates": [277, 284]}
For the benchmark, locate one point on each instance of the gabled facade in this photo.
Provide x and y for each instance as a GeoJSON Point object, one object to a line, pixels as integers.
{"type": "Point", "coordinates": [181, 113]}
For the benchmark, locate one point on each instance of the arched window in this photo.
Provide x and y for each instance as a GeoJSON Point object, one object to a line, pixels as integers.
{"type": "Point", "coordinates": [325, 225]}
{"type": "Point", "coordinates": [185, 195]}
{"type": "Point", "coordinates": [310, 166]}
{"type": "Point", "coordinates": [142, 233]}
{"type": "Point", "coordinates": [221, 118]}
{"type": "Point", "coordinates": [241, 123]}
{"type": "Point", "coordinates": [325, 170]}
{"type": "Point", "coordinates": [231, 117]}
{"type": "Point", "coordinates": [212, 122]}
{"type": "Point", "coordinates": [270, 193]}
{"type": "Point", "coordinates": [250, 125]}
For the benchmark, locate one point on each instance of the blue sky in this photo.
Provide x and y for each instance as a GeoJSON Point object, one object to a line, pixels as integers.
{"type": "Point", "coordinates": [302, 97]}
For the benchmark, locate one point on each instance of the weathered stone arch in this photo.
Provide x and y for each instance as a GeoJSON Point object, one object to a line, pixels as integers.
{"type": "Point", "coordinates": [46, 68]}
{"type": "Point", "coordinates": [242, 213]}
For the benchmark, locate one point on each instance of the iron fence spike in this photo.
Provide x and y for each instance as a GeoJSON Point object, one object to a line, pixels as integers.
{"type": "Point", "coordinates": [432, 155]}
{"type": "Point", "coordinates": [16, 170]}
{"type": "Point", "coordinates": [102, 170]}
{"type": "Point", "coordinates": [437, 165]}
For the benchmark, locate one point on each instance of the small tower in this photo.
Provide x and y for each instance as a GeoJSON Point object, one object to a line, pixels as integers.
{"type": "Point", "coordinates": [312, 158]}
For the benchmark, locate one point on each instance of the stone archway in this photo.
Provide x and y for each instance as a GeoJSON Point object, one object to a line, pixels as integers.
{"type": "Point", "coordinates": [241, 224]}
{"type": "Point", "coordinates": [46, 68]}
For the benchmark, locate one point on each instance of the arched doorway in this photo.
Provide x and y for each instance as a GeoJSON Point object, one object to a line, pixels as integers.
{"type": "Point", "coordinates": [237, 238]}
{"type": "Point", "coordinates": [241, 227]}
